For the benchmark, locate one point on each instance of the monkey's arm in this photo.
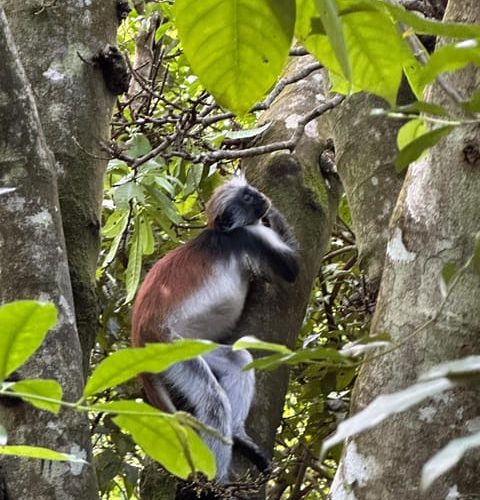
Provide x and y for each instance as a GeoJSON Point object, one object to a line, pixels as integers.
{"type": "Point", "coordinates": [275, 220]}
{"type": "Point", "coordinates": [272, 253]}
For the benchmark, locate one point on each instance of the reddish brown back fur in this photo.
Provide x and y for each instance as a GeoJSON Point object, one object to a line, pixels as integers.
{"type": "Point", "coordinates": [170, 281]}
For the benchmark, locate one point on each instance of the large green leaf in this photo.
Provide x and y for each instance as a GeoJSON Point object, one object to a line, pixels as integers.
{"type": "Point", "coordinates": [333, 28]}
{"type": "Point", "coordinates": [429, 26]}
{"type": "Point", "coordinates": [384, 406]}
{"type": "Point", "coordinates": [23, 326]}
{"type": "Point", "coordinates": [447, 458]}
{"type": "Point", "coordinates": [138, 145]}
{"type": "Point", "coordinates": [236, 47]}
{"type": "Point", "coordinates": [376, 52]}
{"type": "Point", "coordinates": [46, 392]}
{"type": "Point", "coordinates": [128, 363]}
{"type": "Point", "coordinates": [177, 447]}
{"type": "Point", "coordinates": [410, 131]}
{"type": "Point", "coordinates": [39, 452]}
{"type": "Point", "coordinates": [449, 58]}
{"type": "Point", "coordinates": [415, 148]}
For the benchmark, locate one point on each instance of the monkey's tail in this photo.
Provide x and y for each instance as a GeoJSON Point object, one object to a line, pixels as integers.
{"type": "Point", "coordinates": [250, 450]}
{"type": "Point", "coordinates": [155, 393]}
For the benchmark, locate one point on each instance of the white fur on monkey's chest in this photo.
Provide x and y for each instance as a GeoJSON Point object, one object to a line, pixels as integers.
{"type": "Point", "coordinates": [212, 311]}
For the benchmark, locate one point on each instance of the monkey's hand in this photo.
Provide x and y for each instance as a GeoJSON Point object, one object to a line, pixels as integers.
{"type": "Point", "coordinates": [275, 220]}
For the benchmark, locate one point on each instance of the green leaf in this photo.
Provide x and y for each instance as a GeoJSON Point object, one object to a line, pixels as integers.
{"type": "Point", "coordinates": [412, 69]}
{"type": "Point", "coordinates": [457, 369]}
{"type": "Point", "coordinates": [333, 28]}
{"type": "Point", "coordinates": [116, 166]}
{"type": "Point", "coordinates": [447, 458]}
{"type": "Point", "coordinates": [23, 327]}
{"type": "Point", "coordinates": [423, 107]}
{"type": "Point", "coordinates": [125, 192]}
{"type": "Point", "coordinates": [343, 378]}
{"type": "Point", "coordinates": [39, 452]}
{"type": "Point", "coordinates": [147, 234]}
{"type": "Point", "coordinates": [429, 26]}
{"type": "Point", "coordinates": [49, 389]}
{"type": "Point", "coordinates": [317, 354]}
{"type": "Point", "coordinates": [120, 229]}
{"type": "Point", "coordinates": [247, 133]}
{"type": "Point", "coordinates": [128, 363]}
{"type": "Point", "coordinates": [473, 104]}
{"type": "Point", "coordinates": [138, 145]}
{"type": "Point", "coordinates": [268, 363]}
{"type": "Point", "coordinates": [253, 343]}
{"type": "Point", "coordinates": [116, 223]}
{"type": "Point", "coordinates": [448, 58]}
{"type": "Point", "coordinates": [414, 150]}
{"type": "Point", "coordinates": [354, 349]}
{"type": "Point", "coordinates": [165, 204]}
{"type": "Point", "coordinates": [376, 51]}
{"type": "Point", "coordinates": [410, 131]}
{"type": "Point", "coordinates": [384, 406]}
{"type": "Point", "coordinates": [134, 267]}
{"type": "Point", "coordinates": [178, 448]}
{"type": "Point", "coordinates": [236, 47]}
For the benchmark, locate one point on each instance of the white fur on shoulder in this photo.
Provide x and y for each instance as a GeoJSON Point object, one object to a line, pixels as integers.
{"type": "Point", "coordinates": [269, 236]}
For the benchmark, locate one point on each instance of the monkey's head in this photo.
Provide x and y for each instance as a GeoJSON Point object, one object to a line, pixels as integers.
{"type": "Point", "coordinates": [236, 204]}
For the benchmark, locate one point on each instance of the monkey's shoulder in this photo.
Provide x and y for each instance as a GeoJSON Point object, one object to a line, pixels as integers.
{"type": "Point", "coordinates": [235, 243]}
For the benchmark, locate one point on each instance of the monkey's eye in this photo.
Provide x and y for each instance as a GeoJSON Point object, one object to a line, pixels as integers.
{"type": "Point", "coordinates": [247, 198]}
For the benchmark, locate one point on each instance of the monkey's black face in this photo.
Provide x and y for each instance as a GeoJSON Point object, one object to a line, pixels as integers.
{"type": "Point", "coordinates": [255, 202]}
{"type": "Point", "coordinates": [246, 207]}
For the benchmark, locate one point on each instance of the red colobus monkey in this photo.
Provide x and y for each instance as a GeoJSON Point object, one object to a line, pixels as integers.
{"type": "Point", "coordinates": [199, 291]}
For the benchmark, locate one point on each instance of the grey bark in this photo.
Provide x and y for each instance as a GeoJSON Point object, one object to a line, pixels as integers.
{"type": "Point", "coordinates": [435, 222]}
{"type": "Point", "coordinates": [75, 109]}
{"type": "Point", "coordinates": [365, 148]}
{"type": "Point", "coordinates": [34, 266]}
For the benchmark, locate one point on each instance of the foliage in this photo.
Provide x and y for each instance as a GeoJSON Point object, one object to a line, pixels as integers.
{"type": "Point", "coordinates": [24, 326]}
{"type": "Point", "coordinates": [173, 141]}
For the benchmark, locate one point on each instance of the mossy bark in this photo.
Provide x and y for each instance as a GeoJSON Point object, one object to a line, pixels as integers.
{"type": "Point", "coordinates": [309, 201]}
{"type": "Point", "coordinates": [56, 41]}
{"type": "Point", "coordinates": [33, 265]}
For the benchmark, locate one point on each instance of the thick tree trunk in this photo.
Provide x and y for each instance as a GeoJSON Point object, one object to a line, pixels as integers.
{"type": "Point", "coordinates": [75, 108]}
{"type": "Point", "coordinates": [297, 187]}
{"type": "Point", "coordinates": [34, 265]}
{"type": "Point", "coordinates": [365, 148]}
{"type": "Point", "coordinates": [435, 222]}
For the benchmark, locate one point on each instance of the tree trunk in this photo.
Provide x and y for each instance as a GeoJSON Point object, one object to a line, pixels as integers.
{"type": "Point", "coordinates": [34, 266]}
{"type": "Point", "coordinates": [298, 189]}
{"type": "Point", "coordinates": [435, 221]}
{"type": "Point", "coordinates": [365, 149]}
{"type": "Point", "coordinates": [309, 202]}
{"type": "Point", "coordinates": [75, 109]}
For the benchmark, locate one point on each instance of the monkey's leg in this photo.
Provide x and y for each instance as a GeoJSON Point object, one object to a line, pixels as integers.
{"type": "Point", "coordinates": [239, 386]}
{"type": "Point", "coordinates": [194, 382]}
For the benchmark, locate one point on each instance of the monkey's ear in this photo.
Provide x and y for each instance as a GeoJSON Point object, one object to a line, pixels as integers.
{"type": "Point", "coordinates": [224, 222]}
